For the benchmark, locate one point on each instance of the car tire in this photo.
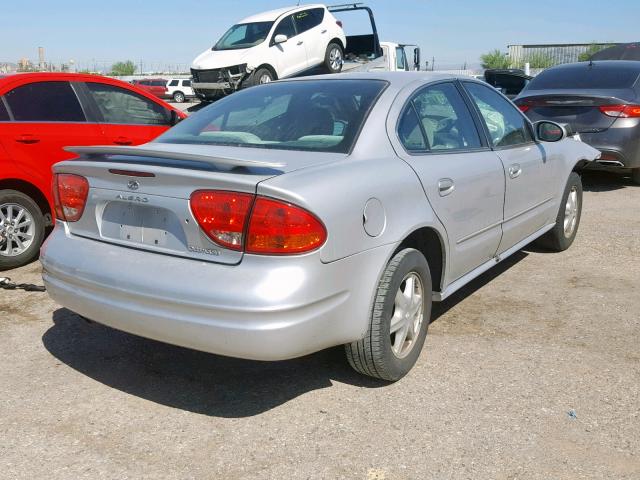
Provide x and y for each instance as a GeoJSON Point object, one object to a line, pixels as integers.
{"type": "Point", "coordinates": [333, 58]}
{"type": "Point", "coordinates": [562, 235]}
{"type": "Point", "coordinates": [261, 76]}
{"type": "Point", "coordinates": [382, 353]}
{"type": "Point", "coordinates": [178, 97]}
{"type": "Point", "coordinates": [19, 242]}
{"type": "Point", "coordinates": [635, 176]}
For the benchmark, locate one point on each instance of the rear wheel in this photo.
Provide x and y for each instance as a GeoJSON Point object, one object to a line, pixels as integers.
{"type": "Point", "coordinates": [333, 58]}
{"type": "Point", "coordinates": [560, 237]}
{"type": "Point", "coordinates": [635, 176]}
{"type": "Point", "coordinates": [178, 97]}
{"type": "Point", "coordinates": [399, 320]}
{"type": "Point", "coordinates": [21, 229]}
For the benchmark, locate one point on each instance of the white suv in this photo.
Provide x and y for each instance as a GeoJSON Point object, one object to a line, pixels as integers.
{"type": "Point", "coordinates": [268, 46]}
{"type": "Point", "coordinates": [179, 89]}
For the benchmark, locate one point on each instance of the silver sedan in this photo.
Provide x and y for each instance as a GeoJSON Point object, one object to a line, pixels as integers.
{"type": "Point", "coordinates": [303, 214]}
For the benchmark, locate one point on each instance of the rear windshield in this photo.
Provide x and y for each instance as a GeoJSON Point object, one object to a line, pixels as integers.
{"type": "Point", "coordinates": [583, 76]}
{"type": "Point", "coordinates": [314, 115]}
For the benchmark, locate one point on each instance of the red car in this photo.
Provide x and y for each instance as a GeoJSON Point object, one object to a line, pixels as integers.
{"type": "Point", "coordinates": [154, 86]}
{"type": "Point", "coordinates": [40, 113]}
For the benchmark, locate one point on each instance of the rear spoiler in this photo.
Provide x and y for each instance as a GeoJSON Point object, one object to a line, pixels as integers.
{"type": "Point", "coordinates": [171, 154]}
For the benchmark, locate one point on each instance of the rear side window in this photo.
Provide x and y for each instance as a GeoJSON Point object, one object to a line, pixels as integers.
{"type": "Point", "coordinates": [121, 106]}
{"type": "Point", "coordinates": [444, 120]}
{"type": "Point", "coordinates": [506, 126]}
{"type": "Point", "coordinates": [409, 131]}
{"type": "Point", "coordinates": [4, 115]}
{"type": "Point", "coordinates": [159, 83]}
{"type": "Point", "coordinates": [599, 76]}
{"type": "Point", "coordinates": [173, 83]}
{"type": "Point", "coordinates": [186, 83]}
{"type": "Point", "coordinates": [307, 19]}
{"type": "Point", "coordinates": [45, 102]}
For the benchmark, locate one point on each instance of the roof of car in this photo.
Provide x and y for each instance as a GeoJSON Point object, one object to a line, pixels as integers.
{"type": "Point", "coordinates": [397, 79]}
{"type": "Point", "coordinates": [273, 15]}
{"type": "Point", "coordinates": [632, 65]}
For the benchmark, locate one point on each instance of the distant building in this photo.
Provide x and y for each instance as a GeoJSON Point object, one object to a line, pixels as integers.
{"type": "Point", "coordinates": [557, 53]}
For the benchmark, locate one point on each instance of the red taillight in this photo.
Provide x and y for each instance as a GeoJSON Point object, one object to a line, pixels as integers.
{"type": "Point", "coordinates": [222, 215]}
{"type": "Point", "coordinates": [70, 196]}
{"type": "Point", "coordinates": [339, 23]}
{"type": "Point", "coordinates": [280, 228]}
{"type": "Point", "coordinates": [621, 111]}
{"type": "Point", "coordinates": [524, 108]}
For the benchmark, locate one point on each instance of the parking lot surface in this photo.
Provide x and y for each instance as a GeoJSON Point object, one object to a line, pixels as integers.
{"type": "Point", "coordinates": [531, 372]}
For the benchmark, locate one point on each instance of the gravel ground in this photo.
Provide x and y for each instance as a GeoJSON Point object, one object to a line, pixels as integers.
{"type": "Point", "coordinates": [532, 372]}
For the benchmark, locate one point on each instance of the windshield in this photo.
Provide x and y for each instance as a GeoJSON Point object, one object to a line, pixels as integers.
{"type": "Point", "coordinates": [580, 75]}
{"type": "Point", "coordinates": [313, 115]}
{"type": "Point", "coordinates": [244, 35]}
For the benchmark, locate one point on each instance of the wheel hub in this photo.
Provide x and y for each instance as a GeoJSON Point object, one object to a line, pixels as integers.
{"type": "Point", "coordinates": [571, 212]}
{"type": "Point", "coordinates": [408, 315]}
{"type": "Point", "coordinates": [16, 229]}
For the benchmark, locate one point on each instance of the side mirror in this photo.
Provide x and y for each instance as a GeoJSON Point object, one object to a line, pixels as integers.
{"type": "Point", "coordinates": [416, 58]}
{"type": "Point", "coordinates": [549, 131]}
{"type": "Point", "coordinates": [174, 118]}
{"type": "Point", "coordinates": [280, 38]}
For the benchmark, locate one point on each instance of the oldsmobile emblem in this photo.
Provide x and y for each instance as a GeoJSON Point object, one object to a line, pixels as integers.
{"type": "Point", "coordinates": [133, 185]}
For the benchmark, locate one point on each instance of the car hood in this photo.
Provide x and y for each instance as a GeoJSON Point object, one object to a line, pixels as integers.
{"type": "Point", "coordinates": [210, 59]}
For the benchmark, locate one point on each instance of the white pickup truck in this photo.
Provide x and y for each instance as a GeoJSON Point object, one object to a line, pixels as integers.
{"type": "Point", "coordinates": [288, 42]}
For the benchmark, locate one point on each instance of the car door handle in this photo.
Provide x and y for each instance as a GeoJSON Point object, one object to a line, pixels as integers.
{"type": "Point", "coordinates": [27, 138]}
{"type": "Point", "coordinates": [515, 170]}
{"type": "Point", "coordinates": [300, 42]}
{"type": "Point", "coordinates": [445, 186]}
{"type": "Point", "coordinates": [324, 31]}
{"type": "Point", "coordinates": [123, 141]}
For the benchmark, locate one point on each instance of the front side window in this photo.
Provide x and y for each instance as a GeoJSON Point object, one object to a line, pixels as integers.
{"type": "Point", "coordinates": [286, 27]}
{"type": "Point", "coordinates": [244, 35]}
{"type": "Point", "coordinates": [506, 126]}
{"type": "Point", "coordinates": [401, 59]}
{"type": "Point", "coordinates": [121, 106]}
{"type": "Point", "coordinates": [307, 19]}
{"type": "Point", "coordinates": [443, 119]}
{"type": "Point", "coordinates": [45, 102]}
{"type": "Point", "coordinates": [4, 115]}
{"type": "Point", "coordinates": [312, 115]}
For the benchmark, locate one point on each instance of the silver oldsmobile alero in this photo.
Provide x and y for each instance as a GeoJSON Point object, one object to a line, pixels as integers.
{"type": "Point", "coordinates": [308, 213]}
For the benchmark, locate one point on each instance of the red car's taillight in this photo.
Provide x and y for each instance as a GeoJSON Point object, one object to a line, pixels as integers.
{"type": "Point", "coordinates": [222, 215]}
{"type": "Point", "coordinates": [621, 111]}
{"type": "Point", "coordinates": [280, 228]}
{"type": "Point", "coordinates": [524, 108]}
{"type": "Point", "coordinates": [272, 227]}
{"type": "Point", "coordinates": [70, 196]}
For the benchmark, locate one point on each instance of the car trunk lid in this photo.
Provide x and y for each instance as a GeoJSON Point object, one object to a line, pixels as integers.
{"type": "Point", "coordinates": [579, 109]}
{"type": "Point", "coordinates": [139, 196]}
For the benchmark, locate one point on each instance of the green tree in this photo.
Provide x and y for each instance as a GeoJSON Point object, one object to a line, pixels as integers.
{"type": "Point", "coordinates": [538, 60]}
{"type": "Point", "coordinates": [593, 48]}
{"type": "Point", "coordinates": [495, 59]}
{"type": "Point", "coordinates": [120, 69]}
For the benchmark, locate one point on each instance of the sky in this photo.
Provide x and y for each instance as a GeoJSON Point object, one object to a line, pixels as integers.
{"type": "Point", "coordinates": [164, 32]}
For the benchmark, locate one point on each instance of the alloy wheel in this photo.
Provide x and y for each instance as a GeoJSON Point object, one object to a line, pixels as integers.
{"type": "Point", "coordinates": [17, 229]}
{"type": "Point", "coordinates": [571, 212]}
{"type": "Point", "coordinates": [408, 315]}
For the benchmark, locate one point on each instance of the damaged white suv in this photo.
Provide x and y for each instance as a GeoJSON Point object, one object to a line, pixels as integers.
{"type": "Point", "coordinates": [269, 46]}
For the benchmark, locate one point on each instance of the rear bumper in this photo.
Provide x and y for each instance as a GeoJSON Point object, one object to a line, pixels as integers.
{"type": "Point", "coordinates": [265, 308]}
{"type": "Point", "coordinates": [620, 144]}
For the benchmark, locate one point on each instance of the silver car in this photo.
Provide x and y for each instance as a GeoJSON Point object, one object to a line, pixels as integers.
{"type": "Point", "coordinates": [303, 214]}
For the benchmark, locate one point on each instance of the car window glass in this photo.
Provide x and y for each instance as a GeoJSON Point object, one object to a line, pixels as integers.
{"type": "Point", "coordinates": [580, 75]}
{"type": "Point", "coordinates": [507, 127]}
{"type": "Point", "coordinates": [186, 83]}
{"type": "Point", "coordinates": [401, 59]}
{"type": "Point", "coordinates": [173, 83]}
{"type": "Point", "coordinates": [445, 118]}
{"type": "Point", "coordinates": [285, 27]}
{"type": "Point", "coordinates": [409, 130]}
{"type": "Point", "coordinates": [311, 115]}
{"type": "Point", "coordinates": [4, 115]}
{"type": "Point", "coordinates": [45, 102]}
{"type": "Point", "coordinates": [159, 83]}
{"type": "Point", "coordinates": [307, 19]}
{"type": "Point", "coordinates": [244, 35]}
{"type": "Point", "coordinates": [118, 105]}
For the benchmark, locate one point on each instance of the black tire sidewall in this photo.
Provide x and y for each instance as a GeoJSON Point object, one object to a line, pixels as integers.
{"type": "Point", "coordinates": [12, 196]}
{"type": "Point", "coordinates": [259, 73]}
{"type": "Point", "coordinates": [563, 241]}
{"type": "Point", "coordinates": [412, 261]}
{"type": "Point", "coordinates": [327, 62]}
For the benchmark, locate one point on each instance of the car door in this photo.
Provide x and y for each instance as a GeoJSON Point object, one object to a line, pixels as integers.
{"type": "Point", "coordinates": [126, 117]}
{"type": "Point", "coordinates": [462, 178]}
{"type": "Point", "coordinates": [290, 56]}
{"type": "Point", "coordinates": [312, 34]}
{"type": "Point", "coordinates": [528, 169]}
{"type": "Point", "coordinates": [45, 117]}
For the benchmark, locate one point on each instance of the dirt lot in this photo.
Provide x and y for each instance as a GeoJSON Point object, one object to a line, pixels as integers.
{"type": "Point", "coordinates": [533, 372]}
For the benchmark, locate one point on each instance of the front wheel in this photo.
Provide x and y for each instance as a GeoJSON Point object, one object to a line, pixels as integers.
{"type": "Point", "coordinates": [562, 235]}
{"type": "Point", "coordinates": [399, 320]}
{"type": "Point", "coordinates": [21, 229]}
{"type": "Point", "coordinates": [333, 58]}
{"type": "Point", "coordinates": [260, 77]}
